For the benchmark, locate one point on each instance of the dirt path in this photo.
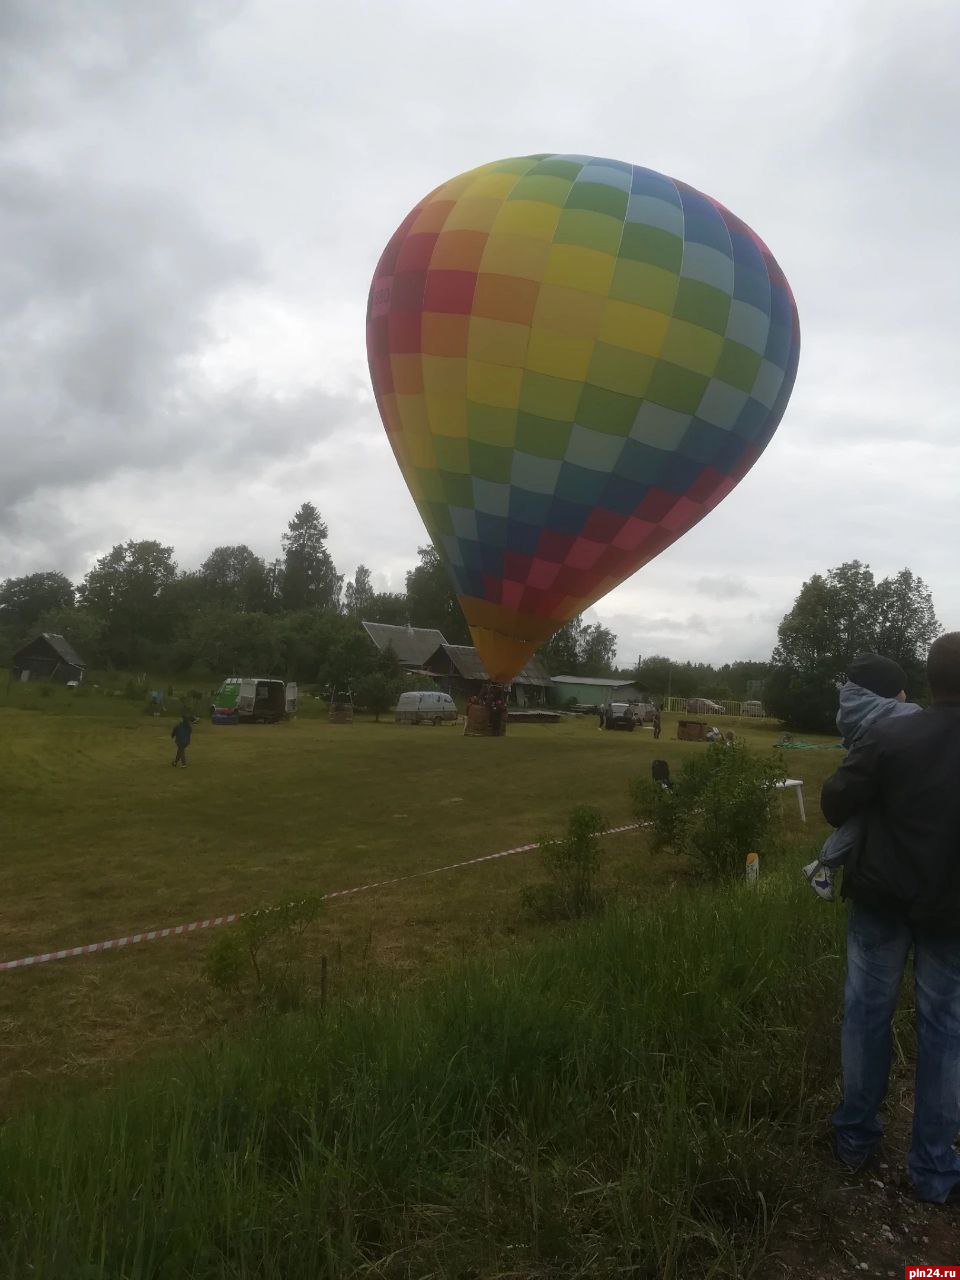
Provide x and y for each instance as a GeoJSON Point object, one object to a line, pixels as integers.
{"type": "Point", "coordinates": [869, 1224]}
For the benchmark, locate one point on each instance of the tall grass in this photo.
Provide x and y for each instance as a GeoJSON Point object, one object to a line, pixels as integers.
{"type": "Point", "coordinates": [631, 1098]}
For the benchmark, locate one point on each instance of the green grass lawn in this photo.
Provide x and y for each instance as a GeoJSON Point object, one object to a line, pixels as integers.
{"type": "Point", "coordinates": [101, 837]}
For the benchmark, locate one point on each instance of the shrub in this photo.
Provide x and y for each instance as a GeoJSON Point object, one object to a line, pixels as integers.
{"type": "Point", "coordinates": [571, 862]}
{"type": "Point", "coordinates": [262, 960]}
{"type": "Point", "coordinates": [720, 807]}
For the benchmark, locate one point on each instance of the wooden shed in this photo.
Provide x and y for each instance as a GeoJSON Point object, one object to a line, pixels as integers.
{"type": "Point", "coordinates": [48, 657]}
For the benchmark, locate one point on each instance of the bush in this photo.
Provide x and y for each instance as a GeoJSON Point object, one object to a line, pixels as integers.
{"type": "Point", "coordinates": [720, 808]}
{"type": "Point", "coordinates": [262, 960]}
{"type": "Point", "coordinates": [571, 862]}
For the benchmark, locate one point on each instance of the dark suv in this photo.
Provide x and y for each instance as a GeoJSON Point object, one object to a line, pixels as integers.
{"type": "Point", "coordinates": [619, 715]}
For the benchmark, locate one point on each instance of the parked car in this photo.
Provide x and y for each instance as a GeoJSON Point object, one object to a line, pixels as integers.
{"type": "Point", "coordinates": [248, 700]}
{"type": "Point", "coordinates": [703, 706]}
{"type": "Point", "coordinates": [645, 711]}
{"type": "Point", "coordinates": [426, 706]}
{"type": "Point", "coordinates": [620, 715]}
{"type": "Point", "coordinates": [752, 709]}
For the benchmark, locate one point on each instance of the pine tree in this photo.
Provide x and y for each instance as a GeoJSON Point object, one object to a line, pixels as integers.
{"type": "Point", "coordinates": [310, 580]}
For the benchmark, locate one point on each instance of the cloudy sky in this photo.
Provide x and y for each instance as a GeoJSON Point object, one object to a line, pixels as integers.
{"type": "Point", "coordinates": [193, 196]}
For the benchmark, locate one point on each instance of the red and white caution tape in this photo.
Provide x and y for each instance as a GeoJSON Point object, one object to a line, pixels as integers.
{"type": "Point", "coordinates": [215, 922]}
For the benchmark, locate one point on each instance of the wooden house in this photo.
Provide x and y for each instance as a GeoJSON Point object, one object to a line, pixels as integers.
{"type": "Point", "coordinates": [459, 669]}
{"type": "Point", "coordinates": [411, 645]}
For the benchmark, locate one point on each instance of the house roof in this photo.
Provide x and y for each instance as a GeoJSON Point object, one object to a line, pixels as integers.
{"type": "Point", "coordinates": [61, 647]}
{"type": "Point", "coordinates": [602, 682]}
{"type": "Point", "coordinates": [412, 645]}
{"type": "Point", "coordinates": [469, 665]}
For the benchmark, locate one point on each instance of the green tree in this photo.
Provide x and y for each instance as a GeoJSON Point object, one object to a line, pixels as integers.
{"type": "Point", "coordinates": [389, 607]}
{"type": "Point", "coordinates": [226, 643]}
{"type": "Point", "coordinates": [237, 577]}
{"type": "Point", "coordinates": [431, 600]}
{"type": "Point", "coordinates": [309, 580]}
{"type": "Point", "coordinates": [579, 648]}
{"type": "Point", "coordinates": [656, 674]}
{"type": "Point", "coordinates": [836, 616]}
{"type": "Point", "coordinates": [745, 680]}
{"type": "Point", "coordinates": [379, 689]}
{"type": "Point", "coordinates": [24, 600]}
{"type": "Point", "coordinates": [358, 595]}
{"type": "Point", "coordinates": [125, 588]}
{"type": "Point", "coordinates": [561, 653]}
{"type": "Point", "coordinates": [597, 649]}
{"type": "Point", "coordinates": [906, 623]}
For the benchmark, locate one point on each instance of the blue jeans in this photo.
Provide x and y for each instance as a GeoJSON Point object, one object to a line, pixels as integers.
{"type": "Point", "coordinates": [877, 950]}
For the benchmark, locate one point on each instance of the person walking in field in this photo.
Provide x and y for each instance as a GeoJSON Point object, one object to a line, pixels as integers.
{"type": "Point", "coordinates": [181, 733]}
{"type": "Point", "coordinates": [657, 725]}
{"type": "Point", "coordinates": [902, 878]}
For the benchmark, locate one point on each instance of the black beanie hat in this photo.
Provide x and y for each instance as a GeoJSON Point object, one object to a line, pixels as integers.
{"type": "Point", "coordinates": [882, 676]}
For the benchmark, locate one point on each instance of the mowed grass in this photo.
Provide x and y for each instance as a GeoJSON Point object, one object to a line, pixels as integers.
{"type": "Point", "coordinates": [101, 837]}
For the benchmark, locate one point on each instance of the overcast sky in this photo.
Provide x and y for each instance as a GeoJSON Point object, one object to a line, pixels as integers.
{"type": "Point", "coordinates": [193, 196]}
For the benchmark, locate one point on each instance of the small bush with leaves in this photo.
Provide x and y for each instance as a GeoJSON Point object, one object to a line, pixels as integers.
{"type": "Point", "coordinates": [720, 807]}
{"type": "Point", "coordinates": [571, 862]}
{"type": "Point", "coordinates": [262, 959]}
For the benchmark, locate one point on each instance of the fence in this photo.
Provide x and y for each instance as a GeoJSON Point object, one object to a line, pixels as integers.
{"type": "Point", "coordinates": [709, 707]}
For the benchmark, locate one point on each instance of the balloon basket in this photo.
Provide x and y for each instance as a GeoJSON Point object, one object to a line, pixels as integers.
{"type": "Point", "coordinates": [479, 724]}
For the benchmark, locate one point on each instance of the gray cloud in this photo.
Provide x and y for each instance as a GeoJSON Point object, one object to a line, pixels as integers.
{"type": "Point", "coordinates": [104, 297]}
{"type": "Point", "coordinates": [193, 195]}
{"type": "Point", "coordinates": [54, 51]}
{"type": "Point", "coordinates": [724, 587]}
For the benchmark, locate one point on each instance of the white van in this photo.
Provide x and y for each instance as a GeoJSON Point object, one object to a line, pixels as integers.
{"type": "Point", "coordinates": [426, 707]}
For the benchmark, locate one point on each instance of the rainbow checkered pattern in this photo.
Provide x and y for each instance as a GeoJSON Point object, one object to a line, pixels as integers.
{"type": "Point", "coordinates": [575, 359]}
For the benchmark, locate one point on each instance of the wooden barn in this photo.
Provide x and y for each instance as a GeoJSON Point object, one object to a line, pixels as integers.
{"type": "Point", "coordinates": [459, 669]}
{"type": "Point", "coordinates": [48, 657]}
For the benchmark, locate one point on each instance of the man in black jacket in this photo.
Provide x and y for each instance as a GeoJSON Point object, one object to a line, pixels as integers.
{"type": "Point", "coordinates": [903, 882]}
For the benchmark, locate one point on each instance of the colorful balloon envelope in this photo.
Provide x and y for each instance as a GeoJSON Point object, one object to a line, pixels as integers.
{"type": "Point", "coordinates": [575, 359]}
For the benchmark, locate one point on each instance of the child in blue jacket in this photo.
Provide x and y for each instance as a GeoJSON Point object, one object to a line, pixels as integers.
{"type": "Point", "coordinates": [181, 733]}
{"type": "Point", "coordinates": [873, 691]}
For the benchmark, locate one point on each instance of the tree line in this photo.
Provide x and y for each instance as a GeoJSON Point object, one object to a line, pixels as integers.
{"type": "Point", "coordinates": [297, 617]}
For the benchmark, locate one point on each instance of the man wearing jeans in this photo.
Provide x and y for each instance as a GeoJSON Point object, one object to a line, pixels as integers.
{"type": "Point", "coordinates": [903, 882]}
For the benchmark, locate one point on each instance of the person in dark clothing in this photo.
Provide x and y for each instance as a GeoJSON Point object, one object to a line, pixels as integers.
{"type": "Point", "coordinates": [181, 733]}
{"type": "Point", "coordinates": [903, 882]}
{"type": "Point", "coordinates": [657, 724]}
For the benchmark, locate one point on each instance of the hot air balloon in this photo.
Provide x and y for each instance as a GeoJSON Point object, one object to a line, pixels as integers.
{"type": "Point", "coordinates": [575, 359]}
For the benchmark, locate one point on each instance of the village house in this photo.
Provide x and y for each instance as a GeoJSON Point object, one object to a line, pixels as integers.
{"type": "Point", "coordinates": [411, 645]}
{"type": "Point", "coordinates": [459, 669]}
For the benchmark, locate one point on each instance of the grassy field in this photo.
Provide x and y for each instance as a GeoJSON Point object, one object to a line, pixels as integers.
{"type": "Point", "coordinates": [101, 837]}
{"type": "Point", "coordinates": [637, 1096]}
